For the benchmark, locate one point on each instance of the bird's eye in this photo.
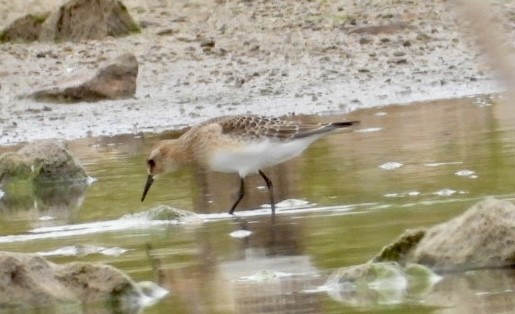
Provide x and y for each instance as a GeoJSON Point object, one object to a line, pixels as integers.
{"type": "Point", "coordinates": [151, 163]}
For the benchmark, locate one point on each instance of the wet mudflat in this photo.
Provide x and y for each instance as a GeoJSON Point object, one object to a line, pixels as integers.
{"type": "Point", "coordinates": [339, 203]}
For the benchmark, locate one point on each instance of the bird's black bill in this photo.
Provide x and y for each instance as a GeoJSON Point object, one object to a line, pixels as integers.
{"type": "Point", "coordinates": [150, 180]}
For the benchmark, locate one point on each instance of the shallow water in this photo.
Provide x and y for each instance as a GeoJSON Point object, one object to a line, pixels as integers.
{"type": "Point", "coordinates": [346, 197]}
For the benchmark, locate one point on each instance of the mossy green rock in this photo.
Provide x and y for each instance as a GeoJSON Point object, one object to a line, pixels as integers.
{"type": "Point", "coordinates": [40, 163]}
{"type": "Point", "coordinates": [400, 248]}
{"type": "Point", "coordinates": [164, 212]}
{"type": "Point", "coordinates": [24, 29]}
{"type": "Point", "coordinates": [29, 281]}
{"type": "Point", "coordinates": [373, 284]}
{"type": "Point", "coordinates": [13, 167]}
{"type": "Point", "coordinates": [482, 237]}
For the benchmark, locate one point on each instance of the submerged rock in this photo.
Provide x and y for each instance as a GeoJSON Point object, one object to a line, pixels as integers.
{"type": "Point", "coordinates": [165, 212]}
{"type": "Point", "coordinates": [42, 175]}
{"type": "Point", "coordinates": [84, 19]}
{"type": "Point", "coordinates": [116, 80]}
{"type": "Point", "coordinates": [482, 237]}
{"type": "Point", "coordinates": [32, 281]}
{"type": "Point", "coordinates": [379, 283]}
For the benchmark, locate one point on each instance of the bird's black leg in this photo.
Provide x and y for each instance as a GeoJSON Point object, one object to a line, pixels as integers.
{"type": "Point", "coordinates": [270, 191]}
{"type": "Point", "coordinates": [240, 196]}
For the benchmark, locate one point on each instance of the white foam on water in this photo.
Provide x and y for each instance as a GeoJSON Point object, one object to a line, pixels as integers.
{"type": "Point", "coordinates": [391, 165]}
{"type": "Point", "coordinates": [240, 234]}
{"type": "Point", "coordinates": [293, 204]}
{"type": "Point", "coordinates": [83, 250]}
{"type": "Point", "coordinates": [487, 293]}
{"type": "Point", "coordinates": [445, 192]}
{"type": "Point", "coordinates": [286, 207]}
{"type": "Point", "coordinates": [266, 276]}
{"type": "Point", "coordinates": [466, 173]}
{"type": "Point", "coordinates": [151, 293]}
{"type": "Point", "coordinates": [91, 180]}
{"type": "Point", "coordinates": [46, 218]}
{"type": "Point", "coordinates": [402, 194]}
{"type": "Point", "coordinates": [84, 229]}
{"type": "Point", "coordinates": [439, 164]}
{"type": "Point", "coordinates": [144, 220]}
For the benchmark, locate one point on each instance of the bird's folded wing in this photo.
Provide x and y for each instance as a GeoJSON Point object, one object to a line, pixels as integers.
{"type": "Point", "coordinates": [265, 127]}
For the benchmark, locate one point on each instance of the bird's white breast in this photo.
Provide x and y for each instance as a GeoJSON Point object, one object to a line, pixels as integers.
{"type": "Point", "coordinates": [250, 157]}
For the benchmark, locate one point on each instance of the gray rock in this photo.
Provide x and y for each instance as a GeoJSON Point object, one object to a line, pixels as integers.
{"type": "Point", "coordinates": [73, 21]}
{"type": "Point", "coordinates": [32, 281]}
{"type": "Point", "coordinates": [24, 29]}
{"type": "Point", "coordinates": [482, 237]}
{"type": "Point", "coordinates": [84, 19]}
{"type": "Point", "coordinates": [41, 162]}
{"type": "Point", "coordinates": [116, 80]}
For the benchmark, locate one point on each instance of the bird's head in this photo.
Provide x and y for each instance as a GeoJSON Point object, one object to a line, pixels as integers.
{"type": "Point", "coordinates": [165, 157]}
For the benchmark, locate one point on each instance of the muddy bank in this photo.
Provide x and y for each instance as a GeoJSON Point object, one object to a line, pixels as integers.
{"type": "Point", "coordinates": [202, 59]}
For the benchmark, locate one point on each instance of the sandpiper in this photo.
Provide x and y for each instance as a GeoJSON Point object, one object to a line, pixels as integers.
{"type": "Point", "coordinates": [242, 144]}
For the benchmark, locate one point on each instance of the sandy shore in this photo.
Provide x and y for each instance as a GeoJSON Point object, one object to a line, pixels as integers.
{"type": "Point", "coordinates": [269, 57]}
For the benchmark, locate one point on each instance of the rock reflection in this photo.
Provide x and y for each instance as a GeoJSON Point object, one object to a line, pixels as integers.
{"type": "Point", "coordinates": [270, 274]}
{"type": "Point", "coordinates": [266, 272]}
{"type": "Point", "coordinates": [54, 201]}
{"type": "Point", "coordinates": [481, 291]}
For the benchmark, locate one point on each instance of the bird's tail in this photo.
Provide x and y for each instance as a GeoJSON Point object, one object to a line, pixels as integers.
{"type": "Point", "coordinates": [326, 128]}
